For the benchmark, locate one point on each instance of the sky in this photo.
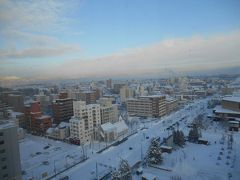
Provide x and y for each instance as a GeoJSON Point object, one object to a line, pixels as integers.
{"type": "Point", "coordinates": [112, 38]}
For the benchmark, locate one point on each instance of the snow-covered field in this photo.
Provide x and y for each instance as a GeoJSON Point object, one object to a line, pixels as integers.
{"type": "Point", "coordinates": [40, 155]}
{"type": "Point", "coordinates": [199, 160]}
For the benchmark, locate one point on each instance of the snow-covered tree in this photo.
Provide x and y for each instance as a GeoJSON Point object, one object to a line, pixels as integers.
{"type": "Point", "coordinates": [178, 137]}
{"type": "Point", "coordinates": [193, 134]}
{"type": "Point", "coordinates": [181, 138]}
{"type": "Point", "coordinates": [123, 172]}
{"type": "Point", "coordinates": [154, 154]}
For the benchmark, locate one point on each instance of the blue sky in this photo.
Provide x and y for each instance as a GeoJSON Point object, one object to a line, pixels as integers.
{"type": "Point", "coordinates": [74, 39]}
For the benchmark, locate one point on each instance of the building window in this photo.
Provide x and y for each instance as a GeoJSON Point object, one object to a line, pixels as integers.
{"type": "Point", "coordinates": [1, 142]}
{"type": "Point", "coordinates": [2, 151]}
{"type": "Point", "coordinates": [5, 175]}
{"type": "Point", "coordinates": [4, 167]}
{"type": "Point", "coordinates": [3, 159]}
{"type": "Point", "coordinates": [1, 133]}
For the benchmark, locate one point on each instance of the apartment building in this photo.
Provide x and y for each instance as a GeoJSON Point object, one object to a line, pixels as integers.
{"type": "Point", "coordinates": [62, 110]}
{"type": "Point", "coordinates": [147, 106]}
{"type": "Point", "coordinates": [90, 97]}
{"type": "Point", "coordinates": [125, 93]}
{"type": "Point", "coordinates": [35, 121]}
{"type": "Point", "coordinates": [41, 124]}
{"type": "Point", "coordinates": [109, 111]}
{"type": "Point", "coordinates": [85, 121]}
{"type": "Point", "coordinates": [117, 87]}
{"type": "Point", "coordinates": [171, 104]}
{"type": "Point", "coordinates": [16, 102]}
{"type": "Point", "coordinates": [109, 83]}
{"type": "Point", "coordinates": [10, 166]}
{"type": "Point", "coordinates": [31, 111]}
{"type": "Point", "coordinates": [44, 102]}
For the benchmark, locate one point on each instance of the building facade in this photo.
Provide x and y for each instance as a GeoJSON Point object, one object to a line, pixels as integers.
{"type": "Point", "coordinates": [62, 110]}
{"type": "Point", "coordinates": [90, 97]}
{"type": "Point", "coordinates": [84, 122]}
{"type": "Point", "coordinates": [109, 111]}
{"type": "Point", "coordinates": [171, 105]}
{"type": "Point", "coordinates": [16, 102]}
{"type": "Point", "coordinates": [125, 93]}
{"type": "Point", "coordinates": [147, 106]}
{"type": "Point", "coordinates": [9, 152]}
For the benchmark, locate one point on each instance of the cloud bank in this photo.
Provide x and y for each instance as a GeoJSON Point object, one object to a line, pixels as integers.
{"type": "Point", "coordinates": [181, 55]}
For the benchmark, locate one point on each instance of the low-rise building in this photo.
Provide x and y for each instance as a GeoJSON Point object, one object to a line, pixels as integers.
{"type": "Point", "coordinates": [109, 132]}
{"type": "Point", "coordinates": [229, 108]}
{"type": "Point", "coordinates": [61, 132]}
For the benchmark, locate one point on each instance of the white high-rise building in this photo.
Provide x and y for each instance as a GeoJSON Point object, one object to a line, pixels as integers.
{"type": "Point", "coordinates": [84, 122]}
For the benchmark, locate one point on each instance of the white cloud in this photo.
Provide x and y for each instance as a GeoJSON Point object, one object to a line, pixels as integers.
{"type": "Point", "coordinates": [38, 52]}
{"type": "Point", "coordinates": [181, 55]}
{"type": "Point", "coordinates": [24, 22]}
{"type": "Point", "coordinates": [36, 15]}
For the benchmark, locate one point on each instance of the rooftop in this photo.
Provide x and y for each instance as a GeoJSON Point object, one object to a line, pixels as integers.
{"type": "Point", "coordinates": [220, 109]}
{"type": "Point", "coordinates": [5, 124]}
{"type": "Point", "coordinates": [232, 98]}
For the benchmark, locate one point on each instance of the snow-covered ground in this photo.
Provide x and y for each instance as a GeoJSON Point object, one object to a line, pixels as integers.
{"type": "Point", "coordinates": [138, 143]}
{"type": "Point", "coordinates": [200, 160]}
{"type": "Point", "coordinates": [41, 155]}
{"type": "Point", "coordinates": [196, 161]}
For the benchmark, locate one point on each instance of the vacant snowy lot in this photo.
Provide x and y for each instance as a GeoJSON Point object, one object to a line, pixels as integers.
{"type": "Point", "coordinates": [43, 157]}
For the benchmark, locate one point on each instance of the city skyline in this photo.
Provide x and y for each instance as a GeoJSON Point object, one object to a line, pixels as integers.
{"type": "Point", "coordinates": [79, 39]}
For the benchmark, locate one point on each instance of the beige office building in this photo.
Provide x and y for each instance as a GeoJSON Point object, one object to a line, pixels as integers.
{"type": "Point", "coordinates": [147, 106]}
{"type": "Point", "coordinates": [171, 105]}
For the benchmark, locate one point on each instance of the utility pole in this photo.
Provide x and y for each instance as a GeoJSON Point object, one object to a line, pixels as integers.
{"type": "Point", "coordinates": [96, 171]}
{"type": "Point", "coordinates": [54, 167]}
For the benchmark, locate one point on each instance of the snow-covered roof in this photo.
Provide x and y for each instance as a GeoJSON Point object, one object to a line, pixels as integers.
{"type": "Point", "coordinates": [50, 130]}
{"type": "Point", "coordinates": [152, 96]}
{"type": "Point", "coordinates": [63, 124]}
{"type": "Point", "coordinates": [232, 98]}
{"type": "Point", "coordinates": [44, 117]}
{"type": "Point", "coordinates": [234, 122]}
{"type": "Point", "coordinates": [148, 176]}
{"type": "Point", "coordinates": [220, 109]}
{"type": "Point", "coordinates": [15, 114]}
{"type": "Point", "coordinates": [166, 147]}
{"type": "Point", "coordinates": [121, 126]}
{"type": "Point", "coordinates": [117, 126]}
{"type": "Point", "coordinates": [108, 127]}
